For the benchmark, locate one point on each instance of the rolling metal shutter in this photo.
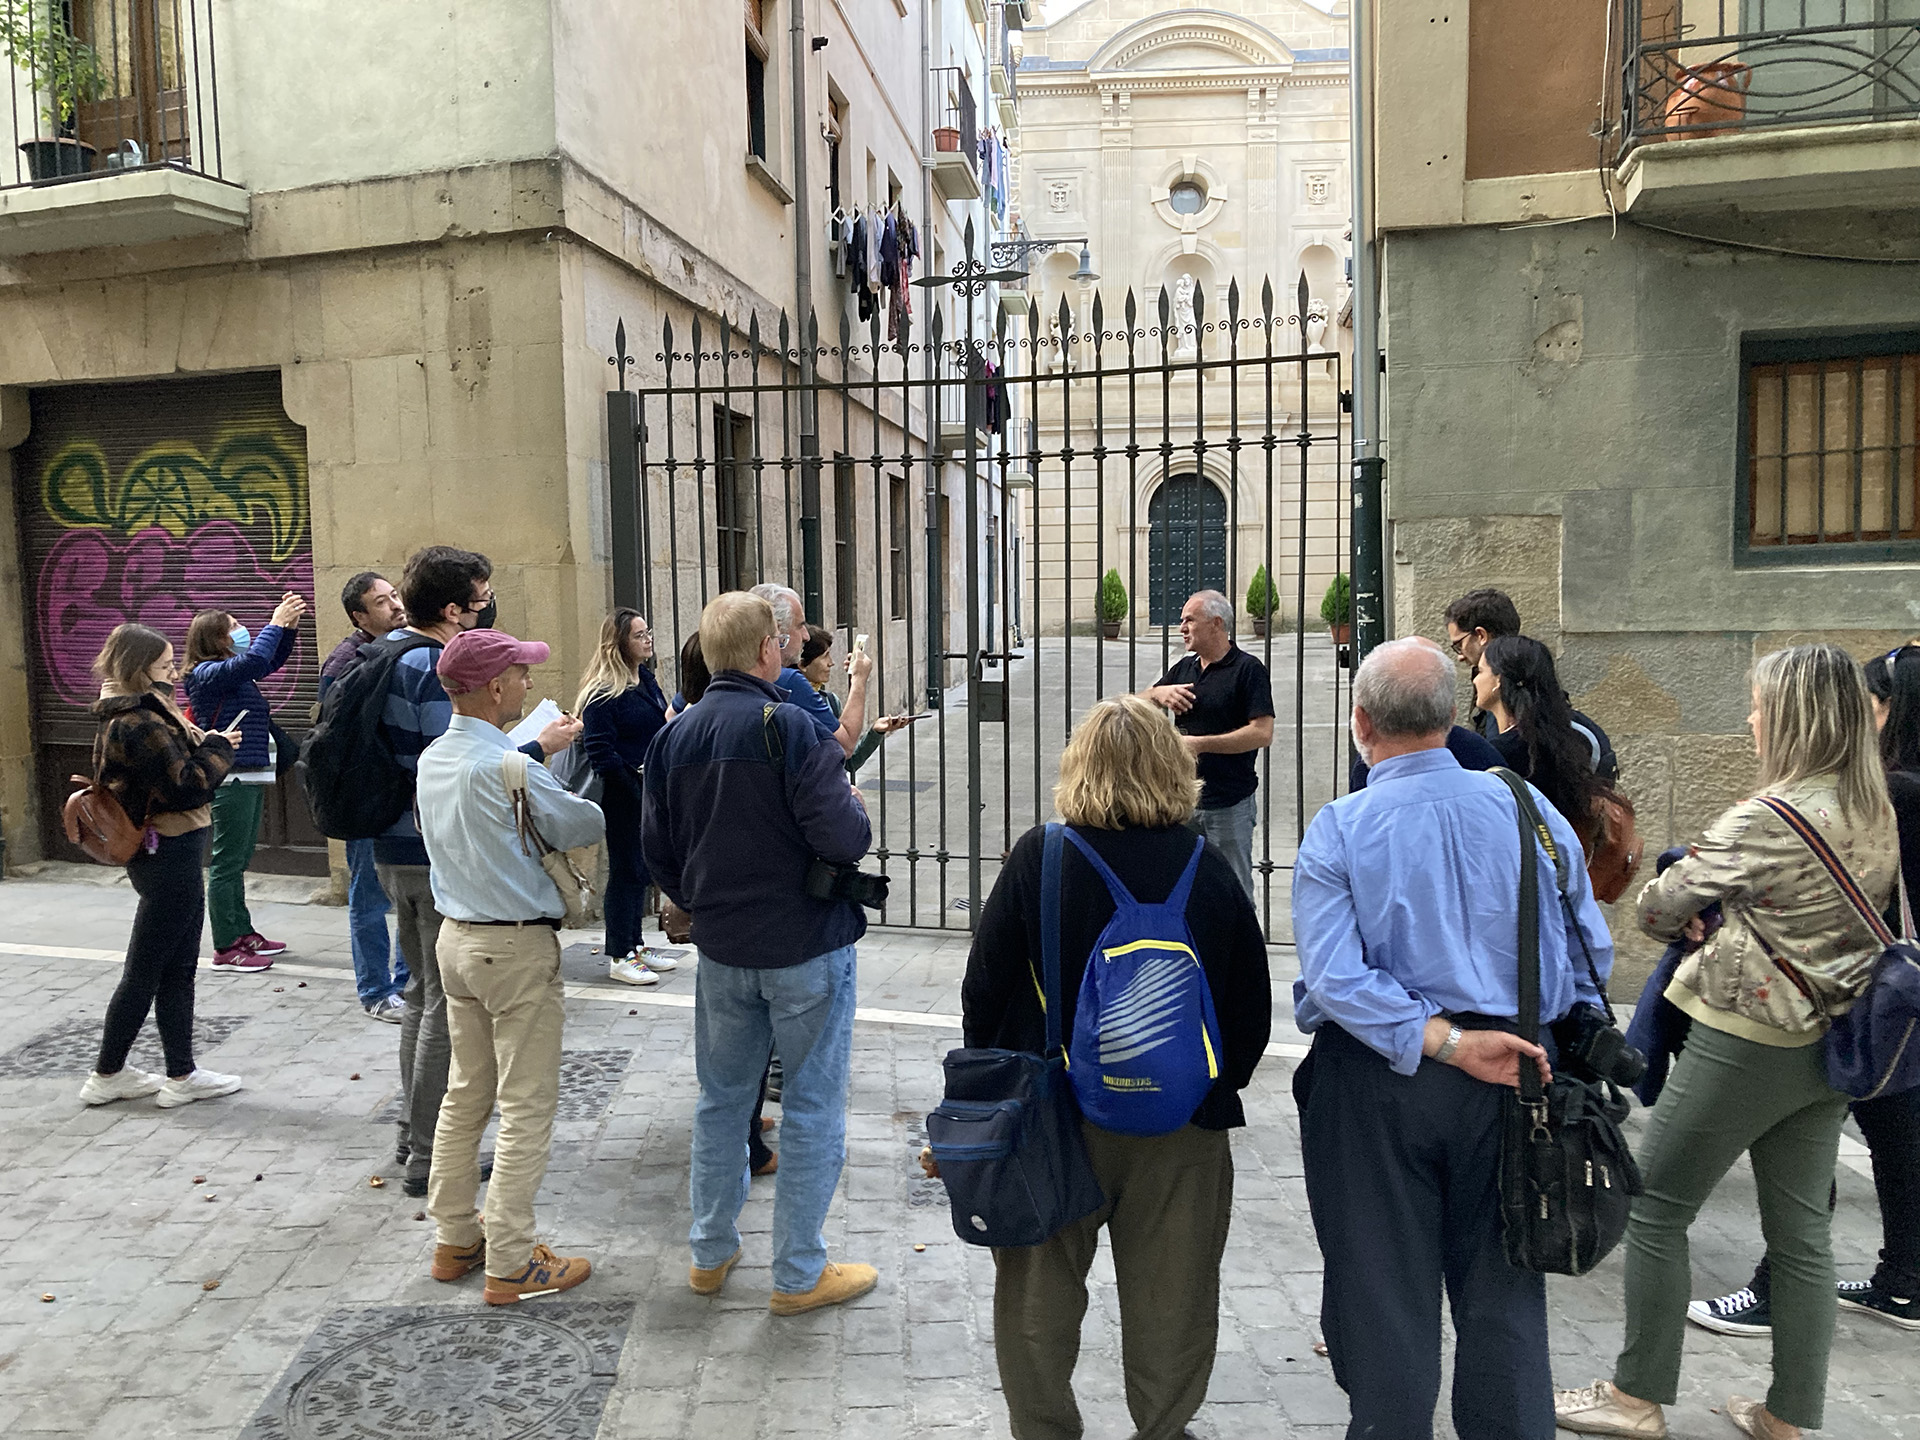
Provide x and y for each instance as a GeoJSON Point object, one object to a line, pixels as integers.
{"type": "Point", "coordinates": [148, 502]}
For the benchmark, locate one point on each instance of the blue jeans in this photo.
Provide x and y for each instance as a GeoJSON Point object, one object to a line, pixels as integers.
{"type": "Point", "coordinates": [367, 908]}
{"type": "Point", "coordinates": [805, 1012]}
{"type": "Point", "coordinates": [1230, 829]}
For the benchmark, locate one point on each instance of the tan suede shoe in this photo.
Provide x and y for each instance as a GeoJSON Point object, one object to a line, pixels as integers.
{"type": "Point", "coordinates": [546, 1274]}
{"type": "Point", "coordinates": [837, 1284]}
{"type": "Point", "coordinates": [708, 1282]}
{"type": "Point", "coordinates": [450, 1262]}
{"type": "Point", "coordinates": [1751, 1417]}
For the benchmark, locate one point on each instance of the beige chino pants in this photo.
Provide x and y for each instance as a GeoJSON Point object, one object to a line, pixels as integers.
{"type": "Point", "coordinates": [504, 1020]}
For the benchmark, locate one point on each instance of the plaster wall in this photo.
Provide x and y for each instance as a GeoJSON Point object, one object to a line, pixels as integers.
{"type": "Point", "coordinates": [1562, 414]}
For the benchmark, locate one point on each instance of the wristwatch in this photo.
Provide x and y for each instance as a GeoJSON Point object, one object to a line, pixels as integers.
{"type": "Point", "coordinates": [1448, 1046]}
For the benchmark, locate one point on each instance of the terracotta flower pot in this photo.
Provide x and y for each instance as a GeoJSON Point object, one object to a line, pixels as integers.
{"type": "Point", "coordinates": [946, 138]}
{"type": "Point", "coordinates": [1259, 627]}
{"type": "Point", "coordinates": [1341, 633]}
{"type": "Point", "coordinates": [1708, 99]}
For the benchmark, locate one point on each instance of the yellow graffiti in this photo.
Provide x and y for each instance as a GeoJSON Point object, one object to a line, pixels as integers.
{"type": "Point", "coordinates": [251, 475]}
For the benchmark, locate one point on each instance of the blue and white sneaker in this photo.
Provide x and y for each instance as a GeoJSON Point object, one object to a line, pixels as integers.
{"type": "Point", "coordinates": [1741, 1313]}
{"type": "Point", "coordinates": [1870, 1299]}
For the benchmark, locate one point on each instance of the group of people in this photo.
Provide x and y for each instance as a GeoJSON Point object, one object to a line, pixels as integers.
{"type": "Point", "coordinates": [735, 797]}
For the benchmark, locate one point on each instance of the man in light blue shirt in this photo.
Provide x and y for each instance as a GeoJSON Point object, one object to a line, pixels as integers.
{"type": "Point", "coordinates": [1405, 912]}
{"type": "Point", "coordinates": [485, 808]}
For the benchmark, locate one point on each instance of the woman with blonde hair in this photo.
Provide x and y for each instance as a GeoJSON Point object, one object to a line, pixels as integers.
{"type": "Point", "coordinates": [165, 773]}
{"type": "Point", "coordinates": [1128, 789]}
{"type": "Point", "coordinates": [621, 709]}
{"type": "Point", "coordinates": [1790, 953]}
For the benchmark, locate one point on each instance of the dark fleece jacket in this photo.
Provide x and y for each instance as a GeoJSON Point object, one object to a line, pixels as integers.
{"type": "Point", "coordinates": [146, 758]}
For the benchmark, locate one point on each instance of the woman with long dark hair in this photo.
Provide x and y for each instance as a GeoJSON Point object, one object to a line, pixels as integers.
{"type": "Point", "coordinates": [1515, 682]}
{"type": "Point", "coordinates": [621, 709]}
{"type": "Point", "coordinates": [224, 667]}
{"type": "Point", "coordinates": [164, 772]}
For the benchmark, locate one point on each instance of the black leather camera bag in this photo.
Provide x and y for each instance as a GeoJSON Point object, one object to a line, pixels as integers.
{"type": "Point", "coordinates": [1566, 1174]}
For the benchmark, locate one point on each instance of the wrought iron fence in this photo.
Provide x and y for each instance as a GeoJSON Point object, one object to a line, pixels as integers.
{"type": "Point", "coordinates": [103, 86]}
{"type": "Point", "coordinates": [969, 494]}
{"type": "Point", "coordinates": [1713, 67]}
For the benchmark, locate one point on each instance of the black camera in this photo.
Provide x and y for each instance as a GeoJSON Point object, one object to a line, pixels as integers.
{"type": "Point", "coordinates": [848, 883]}
{"type": "Point", "coordinates": [1593, 1049]}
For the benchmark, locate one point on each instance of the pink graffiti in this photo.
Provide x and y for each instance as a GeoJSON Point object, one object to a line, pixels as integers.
{"type": "Point", "coordinates": [92, 582]}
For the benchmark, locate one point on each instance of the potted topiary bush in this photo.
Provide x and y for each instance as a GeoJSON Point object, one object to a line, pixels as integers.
{"type": "Point", "coordinates": [1113, 605]}
{"type": "Point", "coordinates": [34, 37]}
{"type": "Point", "coordinates": [1262, 601]}
{"type": "Point", "coordinates": [1336, 608]}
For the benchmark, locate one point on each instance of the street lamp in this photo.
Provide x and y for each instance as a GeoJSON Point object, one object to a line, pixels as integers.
{"type": "Point", "coordinates": [1086, 274]}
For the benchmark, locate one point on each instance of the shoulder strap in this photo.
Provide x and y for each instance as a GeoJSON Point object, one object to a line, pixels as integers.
{"type": "Point", "coordinates": [1121, 895]}
{"type": "Point", "coordinates": [1817, 843]}
{"type": "Point", "coordinates": [513, 771]}
{"type": "Point", "coordinates": [770, 736]}
{"type": "Point", "coordinates": [1050, 934]}
{"type": "Point", "coordinates": [1183, 887]}
{"type": "Point", "coordinates": [1527, 1023]}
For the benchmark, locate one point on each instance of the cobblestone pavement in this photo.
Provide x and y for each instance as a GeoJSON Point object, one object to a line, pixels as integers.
{"type": "Point", "coordinates": [227, 1270]}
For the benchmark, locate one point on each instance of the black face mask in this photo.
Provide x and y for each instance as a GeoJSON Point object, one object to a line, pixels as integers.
{"type": "Point", "coordinates": [165, 689]}
{"type": "Point", "coordinates": [488, 616]}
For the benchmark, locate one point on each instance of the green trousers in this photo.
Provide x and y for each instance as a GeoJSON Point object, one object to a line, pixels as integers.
{"type": "Point", "coordinates": [1729, 1096]}
{"type": "Point", "coordinates": [1169, 1199]}
{"type": "Point", "coordinates": [236, 830]}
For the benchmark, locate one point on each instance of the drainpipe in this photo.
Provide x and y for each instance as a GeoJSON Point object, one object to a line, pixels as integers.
{"type": "Point", "coordinates": [810, 559]}
{"type": "Point", "coordinates": [1369, 467]}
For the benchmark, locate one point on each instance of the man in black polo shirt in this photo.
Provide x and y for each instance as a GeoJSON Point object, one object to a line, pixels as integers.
{"type": "Point", "coordinates": [1222, 703]}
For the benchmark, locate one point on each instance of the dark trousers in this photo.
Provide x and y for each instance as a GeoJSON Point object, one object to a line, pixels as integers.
{"type": "Point", "coordinates": [162, 954]}
{"type": "Point", "coordinates": [1402, 1177]}
{"type": "Point", "coordinates": [758, 1151]}
{"type": "Point", "coordinates": [627, 879]}
{"type": "Point", "coordinates": [425, 1048]}
{"type": "Point", "coordinates": [1891, 1127]}
{"type": "Point", "coordinates": [1169, 1201]}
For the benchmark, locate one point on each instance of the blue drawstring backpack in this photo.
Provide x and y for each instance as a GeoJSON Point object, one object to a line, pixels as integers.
{"type": "Point", "coordinates": [1146, 1045]}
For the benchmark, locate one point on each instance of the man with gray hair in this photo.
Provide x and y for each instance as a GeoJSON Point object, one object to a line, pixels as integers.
{"type": "Point", "coordinates": [1222, 704]}
{"type": "Point", "coordinates": [1404, 903]}
{"type": "Point", "coordinates": [788, 619]}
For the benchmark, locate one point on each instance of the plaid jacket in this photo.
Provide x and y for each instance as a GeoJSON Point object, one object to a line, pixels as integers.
{"type": "Point", "coordinates": [146, 759]}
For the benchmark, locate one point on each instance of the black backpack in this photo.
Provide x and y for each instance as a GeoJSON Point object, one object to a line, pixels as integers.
{"type": "Point", "coordinates": [355, 785]}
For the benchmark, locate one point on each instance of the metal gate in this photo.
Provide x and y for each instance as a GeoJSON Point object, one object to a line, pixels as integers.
{"type": "Point", "coordinates": [982, 478]}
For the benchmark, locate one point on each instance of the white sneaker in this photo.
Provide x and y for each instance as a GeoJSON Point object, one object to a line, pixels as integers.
{"type": "Point", "coordinates": [655, 960]}
{"type": "Point", "coordinates": [631, 972]}
{"type": "Point", "coordinates": [390, 1008]}
{"type": "Point", "coordinates": [200, 1085]}
{"type": "Point", "coordinates": [1598, 1409]}
{"type": "Point", "coordinates": [124, 1084]}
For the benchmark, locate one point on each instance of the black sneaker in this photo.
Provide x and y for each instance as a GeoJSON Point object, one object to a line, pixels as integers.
{"type": "Point", "coordinates": [1741, 1313]}
{"type": "Point", "coordinates": [416, 1188]}
{"type": "Point", "coordinates": [1870, 1299]}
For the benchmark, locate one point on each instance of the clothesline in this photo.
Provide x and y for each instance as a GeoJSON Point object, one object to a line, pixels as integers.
{"type": "Point", "coordinates": [874, 250]}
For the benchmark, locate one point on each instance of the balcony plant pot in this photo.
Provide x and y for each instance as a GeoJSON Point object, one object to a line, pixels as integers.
{"type": "Point", "coordinates": [947, 138]}
{"type": "Point", "coordinates": [60, 158]}
{"type": "Point", "coordinates": [1109, 629]}
{"type": "Point", "coordinates": [1712, 96]}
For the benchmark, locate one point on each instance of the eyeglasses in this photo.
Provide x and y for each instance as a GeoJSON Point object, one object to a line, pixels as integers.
{"type": "Point", "coordinates": [783, 640]}
{"type": "Point", "coordinates": [475, 606]}
{"type": "Point", "coordinates": [1458, 645]}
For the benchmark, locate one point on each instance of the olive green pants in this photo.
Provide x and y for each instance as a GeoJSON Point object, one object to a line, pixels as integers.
{"type": "Point", "coordinates": [236, 830]}
{"type": "Point", "coordinates": [1729, 1096]}
{"type": "Point", "coordinates": [1169, 1199]}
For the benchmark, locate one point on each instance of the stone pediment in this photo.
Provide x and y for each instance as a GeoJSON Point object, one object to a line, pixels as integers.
{"type": "Point", "coordinates": [1191, 40]}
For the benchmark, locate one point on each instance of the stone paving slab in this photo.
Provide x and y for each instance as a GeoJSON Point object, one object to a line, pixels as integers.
{"type": "Point", "coordinates": [101, 1210]}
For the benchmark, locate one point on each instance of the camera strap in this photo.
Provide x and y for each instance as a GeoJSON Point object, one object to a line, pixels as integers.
{"type": "Point", "coordinates": [1555, 853]}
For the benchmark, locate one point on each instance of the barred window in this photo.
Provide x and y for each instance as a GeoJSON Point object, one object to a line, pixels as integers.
{"type": "Point", "coordinates": [1831, 431]}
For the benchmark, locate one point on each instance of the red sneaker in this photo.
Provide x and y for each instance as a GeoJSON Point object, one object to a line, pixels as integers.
{"type": "Point", "coordinates": [238, 957]}
{"type": "Point", "coordinates": [260, 945]}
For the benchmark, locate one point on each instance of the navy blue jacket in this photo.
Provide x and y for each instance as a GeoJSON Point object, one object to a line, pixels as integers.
{"type": "Point", "coordinates": [617, 729]}
{"type": "Point", "coordinates": [218, 690]}
{"type": "Point", "coordinates": [740, 799]}
{"type": "Point", "coordinates": [1469, 749]}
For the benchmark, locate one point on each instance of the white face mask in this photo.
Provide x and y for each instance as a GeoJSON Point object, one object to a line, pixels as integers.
{"type": "Point", "coordinates": [241, 637]}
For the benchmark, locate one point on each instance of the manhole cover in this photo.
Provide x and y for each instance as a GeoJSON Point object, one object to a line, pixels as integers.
{"type": "Point", "coordinates": [589, 1079]}
{"type": "Point", "coordinates": [71, 1048]}
{"type": "Point", "coordinates": [434, 1373]}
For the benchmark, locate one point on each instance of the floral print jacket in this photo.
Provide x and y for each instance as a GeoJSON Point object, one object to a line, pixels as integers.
{"type": "Point", "coordinates": [1776, 897]}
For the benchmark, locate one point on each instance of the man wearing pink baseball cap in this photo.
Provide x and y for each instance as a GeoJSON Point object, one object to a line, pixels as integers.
{"type": "Point", "coordinates": [499, 954]}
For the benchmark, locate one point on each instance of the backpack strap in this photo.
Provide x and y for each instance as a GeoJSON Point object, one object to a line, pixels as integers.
{"type": "Point", "coordinates": [1121, 895]}
{"type": "Point", "coordinates": [1183, 887]}
{"type": "Point", "coordinates": [1050, 934]}
{"type": "Point", "coordinates": [1842, 877]}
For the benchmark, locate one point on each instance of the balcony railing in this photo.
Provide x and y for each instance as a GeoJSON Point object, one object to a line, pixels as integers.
{"type": "Point", "coordinates": [1716, 67]}
{"type": "Point", "coordinates": [109, 86]}
{"type": "Point", "coordinates": [956, 124]}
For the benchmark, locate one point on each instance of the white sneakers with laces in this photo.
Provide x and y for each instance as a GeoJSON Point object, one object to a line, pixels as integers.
{"type": "Point", "coordinates": [124, 1084]}
{"type": "Point", "coordinates": [631, 971]}
{"type": "Point", "coordinates": [1599, 1409]}
{"type": "Point", "coordinates": [200, 1085]}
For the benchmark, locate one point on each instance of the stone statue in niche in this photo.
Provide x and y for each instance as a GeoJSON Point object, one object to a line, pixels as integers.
{"type": "Point", "coordinates": [1058, 194]}
{"type": "Point", "coordinates": [1319, 189]}
{"type": "Point", "coordinates": [1316, 330]}
{"type": "Point", "coordinates": [1185, 332]}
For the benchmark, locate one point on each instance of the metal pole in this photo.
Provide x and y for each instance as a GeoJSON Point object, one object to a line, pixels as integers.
{"type": "Point", "coordinates": [1369, 467]}
{"type": "Point", "coordinates": [810, 562]}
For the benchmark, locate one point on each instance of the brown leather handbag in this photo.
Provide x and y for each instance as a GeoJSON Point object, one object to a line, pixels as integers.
{"type": "Point", "coordinates": [98, 823]}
